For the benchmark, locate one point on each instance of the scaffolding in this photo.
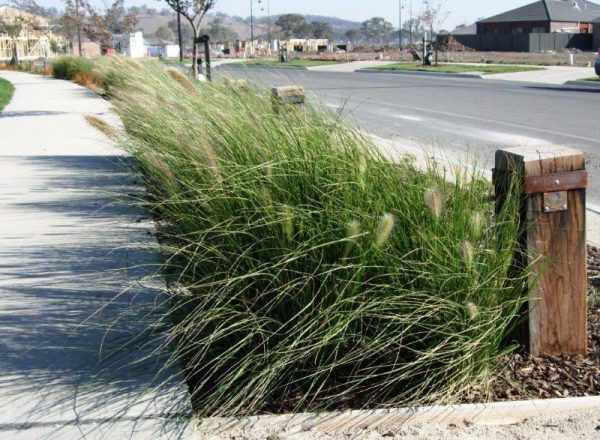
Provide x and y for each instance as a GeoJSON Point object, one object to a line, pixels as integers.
{"type": "Point", "coordinates": [25, 47]}
{"type": "Point", "coordinates": [34, 40]}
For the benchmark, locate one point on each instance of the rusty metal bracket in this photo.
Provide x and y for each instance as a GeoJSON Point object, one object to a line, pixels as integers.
{"type": "Point", "coordinates": [556, 201]}
{"type": "Point", "coordinates": [556, 182]}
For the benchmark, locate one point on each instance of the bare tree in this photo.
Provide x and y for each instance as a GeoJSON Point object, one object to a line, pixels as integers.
{"type": "Point", "coordinates": [98, 24]}
{"type": "Point", "coordinates": [433, 15]}
{"type": "Point", "coordinates": [194, 12]}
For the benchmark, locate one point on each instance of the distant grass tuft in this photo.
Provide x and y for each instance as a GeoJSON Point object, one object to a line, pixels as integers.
{"type": "Point", "coordinates": [307, 272]}
{"type": "Point", "coordinates": [6, 93]}
{"type": "Point", "coordinates": [70, 67]}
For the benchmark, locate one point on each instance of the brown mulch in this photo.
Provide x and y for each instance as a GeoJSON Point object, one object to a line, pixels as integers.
{"type": "Point", "coordinates": [556, 376]}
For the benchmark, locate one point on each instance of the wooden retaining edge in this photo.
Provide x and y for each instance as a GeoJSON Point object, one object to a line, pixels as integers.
{"type": "Point", "coordinates": [492, 414]}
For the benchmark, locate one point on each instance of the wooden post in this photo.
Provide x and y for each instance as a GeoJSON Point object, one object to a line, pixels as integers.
{"type": "Point", "coordinates": [287, 95]}
{"type": "Point", "coordinates": [553, 211]}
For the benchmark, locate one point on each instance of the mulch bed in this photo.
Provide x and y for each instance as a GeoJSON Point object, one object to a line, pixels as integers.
{"type": "Point", "coordinates": [558, 376]}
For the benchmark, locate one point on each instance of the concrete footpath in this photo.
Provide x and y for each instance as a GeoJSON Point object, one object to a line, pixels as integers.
{"type": "Point", "coordinates": [550, 75]}
{"type": "Point", "coordinates": [78, 287]}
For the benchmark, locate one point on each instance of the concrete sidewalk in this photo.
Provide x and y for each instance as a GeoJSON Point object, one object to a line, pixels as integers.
{"type": "Point", "coordinates": [78, 290]}
{"type": "Point", "coordinates": [352, 66]}
{"type": "Point", "coordinates": [550, 75]}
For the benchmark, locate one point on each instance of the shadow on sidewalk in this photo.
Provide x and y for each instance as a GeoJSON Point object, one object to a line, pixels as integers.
{"type": "Point", "coordinates": [81, 339]}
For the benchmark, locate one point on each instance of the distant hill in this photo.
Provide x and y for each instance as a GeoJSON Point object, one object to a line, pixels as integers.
{"type": "Point", "coordinates": [148, 24]}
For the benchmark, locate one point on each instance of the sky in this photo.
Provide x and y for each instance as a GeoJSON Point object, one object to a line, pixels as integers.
{"type": "Point", "coordinates": [460, 11]}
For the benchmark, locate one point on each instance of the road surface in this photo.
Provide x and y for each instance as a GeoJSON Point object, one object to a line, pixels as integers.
{"type": "Point", "coordinates": [462, 115]}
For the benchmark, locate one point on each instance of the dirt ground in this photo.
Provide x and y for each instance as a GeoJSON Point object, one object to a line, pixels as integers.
{"type": "Point", "coordinates": [538, 59]}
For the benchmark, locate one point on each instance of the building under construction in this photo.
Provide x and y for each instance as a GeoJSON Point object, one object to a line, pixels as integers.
{"type": "Point", "coordinates": [24, 36]}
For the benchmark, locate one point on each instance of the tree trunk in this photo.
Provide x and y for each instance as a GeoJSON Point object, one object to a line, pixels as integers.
{"type": "Point", "coordinates": [195, 56]}
{"type": "Point", "coordinates": [180, 37]}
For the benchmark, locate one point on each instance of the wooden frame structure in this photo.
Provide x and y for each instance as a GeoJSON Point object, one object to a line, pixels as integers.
{"type": "Point", "coordinates": [27, 47]}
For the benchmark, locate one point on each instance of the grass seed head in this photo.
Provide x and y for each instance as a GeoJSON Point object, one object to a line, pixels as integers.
{"type": "Point", "coordinates": [102, 126]}
{"type": "Point", "coordinates": [435, 202]}
{"type": "Point", "coordinates": [467, 252]}
{"type": "Point", "coordinates": [352, 231]}
{"type": "Point", "coordinates": [476, 224]}
{"type": "Point", "coordinates": [472, 310]}
{"type": "Point", "coordinates": [183, 80]}
{"type": "Point", "coordinates": [384, 230]}
{"type": "Point", "coordinates": [288, 222]}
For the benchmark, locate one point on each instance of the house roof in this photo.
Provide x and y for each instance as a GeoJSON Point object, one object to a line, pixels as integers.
{"type": "Point", "coordinates": [550, 10]}
{"type": "Point", "coordinates": [465, 30]}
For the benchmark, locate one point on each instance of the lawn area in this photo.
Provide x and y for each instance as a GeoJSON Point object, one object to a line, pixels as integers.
{"type": "Point", "coordinates": [457, 68]}
{"type": "Point", "coordinates": [6, 93]}
{"type": "Point", "coordinates": [175, 61]}
{"type": "Point", "coordinates": [290, 63]}
{"type": "Point", "coordinates": [595, 79]}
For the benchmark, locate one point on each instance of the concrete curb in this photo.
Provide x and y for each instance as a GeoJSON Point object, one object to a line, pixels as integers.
{"type": "Point", "coordinates": [493, 414]}
{"type": "Point", "coordinates": [588, 84]}
{"type": "Point", "coordinates": [254, 66]}
{"type": "Point", "coordinates": [417, 73]}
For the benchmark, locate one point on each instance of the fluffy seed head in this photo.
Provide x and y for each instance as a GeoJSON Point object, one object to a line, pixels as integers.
{"type": "Point", "coordinates": [183, 80]}
{"type": "Point", "coordinates": [352, 231]}
{"type": "Point", "coordinates": [476, 223]}
{"type": "Point", "coordinates": [472, 310]}
{"type": "Point", "coordinates": [384, 230]}
{"type": "Point", "coordinates": [467, 252]}
{"type": "Point", "coordinates": [435, 202]}
{"type": "Point", "coordinates": [288, 222]}
{"type": "Point", "coordinates": [102, 126]}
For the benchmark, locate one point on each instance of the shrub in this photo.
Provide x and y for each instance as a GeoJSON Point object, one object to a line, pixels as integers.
{"type": "Point", "coordinates": [69, 66]}
{"type": "Point", "coordinates": [86, 79]}
{"type": "Point", "coordinates": [306, 271]}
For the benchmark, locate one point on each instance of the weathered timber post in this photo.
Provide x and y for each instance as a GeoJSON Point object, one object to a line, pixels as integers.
{"type": "Point", "coordinates": [552, 183]}
{"type": "Point", "coordinates": [287, 95]}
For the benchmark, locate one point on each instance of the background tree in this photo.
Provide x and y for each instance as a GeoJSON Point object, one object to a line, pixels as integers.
{"type": "Point", "coordinates": [194, 12]}
{"type": "Point", "coordinates": [101, 24]}
{"type": "Point", "coordinates": [164, 33]}
{"type": "Point", "coordinates": [414, 29]}
{"type": "Point", "coordinates": [355, 36]}
{"type": "Point", "coordinates": [219, 32]}
{"type": "Point", "coordinates": [292, 25]}
{"type": "Point", "coordinates": [322, 29]}
{"type": "Point", "coordinates": [186, 30]}
{"type": "Point", "coordinates": [377, 30]}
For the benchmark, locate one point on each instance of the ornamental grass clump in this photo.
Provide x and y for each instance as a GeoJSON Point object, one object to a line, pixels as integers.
{"type": "Point", "coordinates": [317, 275]}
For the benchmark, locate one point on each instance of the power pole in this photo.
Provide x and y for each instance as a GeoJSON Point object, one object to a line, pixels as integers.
{"type": "Point", "coordinates": [269, 23]}
{"type": "Point", "coordinates": [411, 24]}
{"type": "Point", "coordinates": [251, 28]}
{"type": "Point", "coordinates": [399, 24]}
{"type": "Point", "coordinates": [78, 27]}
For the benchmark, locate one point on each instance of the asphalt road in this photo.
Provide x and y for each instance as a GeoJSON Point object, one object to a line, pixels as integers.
{"type": "Point", "coordinates": [460, 115]}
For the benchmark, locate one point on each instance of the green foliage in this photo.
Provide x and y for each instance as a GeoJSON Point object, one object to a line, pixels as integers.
{"type": "Point", "coordinates": [69, 66]}
{"type": "Point", "coordinates": [306, 271]}
{"type": "Point", "coordinates": [6, 93]}
{"type": "Point", "coordinates": [377, 30]}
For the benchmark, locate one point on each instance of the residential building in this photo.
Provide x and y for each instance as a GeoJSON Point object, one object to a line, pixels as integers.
{"type": "Point", "coordinates": [544, 16]}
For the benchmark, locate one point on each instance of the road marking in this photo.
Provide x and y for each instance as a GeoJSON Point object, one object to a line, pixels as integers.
{"type": "Point", "coordinates": [409, 118]}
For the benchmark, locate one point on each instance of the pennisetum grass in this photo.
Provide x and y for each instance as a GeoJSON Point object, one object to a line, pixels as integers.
{"type": "Point", "coordinates": [312, 274]}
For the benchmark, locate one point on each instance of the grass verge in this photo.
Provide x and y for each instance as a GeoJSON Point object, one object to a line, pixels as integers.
{"type": "Point", "coordinates": [6, 93]}
{"type": "Point", "coordinates": [291, 63]}
{"type": "Point", "coordinates": [306, 272]}
{"type": "Point", "coordinates": [457, 68]}
{"type": "Point", "coordinates": [595, 79]}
